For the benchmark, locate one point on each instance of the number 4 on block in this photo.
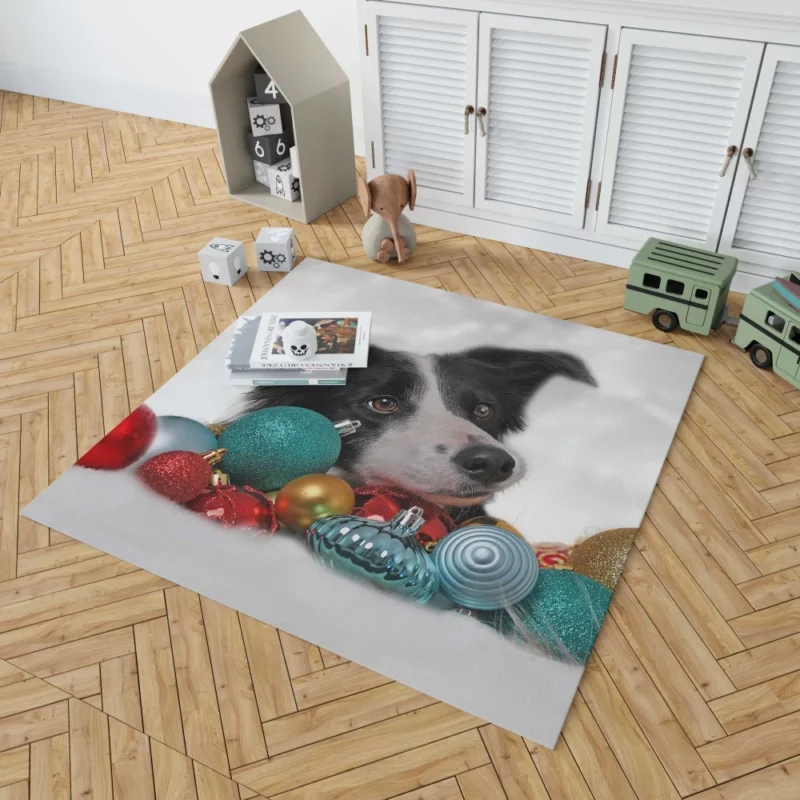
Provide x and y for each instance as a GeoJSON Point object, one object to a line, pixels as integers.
{"type": "Point", "coordinates": [267, 90]}
{"type": "Point", "coordinates": [270, 149]}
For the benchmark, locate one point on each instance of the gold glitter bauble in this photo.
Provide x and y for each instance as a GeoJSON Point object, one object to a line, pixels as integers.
{"type": "Point", "coordinates": [602, 557]}
{"type": "Point", "coordinates": [495, 522]}
{"type": "Point", "coordinates": [305, 499]}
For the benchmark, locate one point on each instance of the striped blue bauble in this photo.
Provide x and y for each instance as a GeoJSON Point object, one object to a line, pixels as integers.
{"type": "Point", "coordinates": [485, 568]}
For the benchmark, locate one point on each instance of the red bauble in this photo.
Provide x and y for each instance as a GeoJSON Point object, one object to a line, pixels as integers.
{"type": "Point", "coordinates": [234, 506]}
{"type": "Point", "coordinates": [178, 475]}
{"type": "Point", "coordinates": [125, 444]}
{"type": "Point", "coordinates": [384, 503]}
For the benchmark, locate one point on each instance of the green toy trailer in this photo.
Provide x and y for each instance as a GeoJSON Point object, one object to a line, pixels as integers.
{"type": "Point", "coordinates": [687, 287]}
{"type": "Point", "coordinates": [680, 286]}
{"type": "Point", "coordinates": [769, 329]}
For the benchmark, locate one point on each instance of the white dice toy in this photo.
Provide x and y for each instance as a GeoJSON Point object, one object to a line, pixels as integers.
{"type": "Point", "coordinates": [281, 181]}
{"type": "Point", "coordinates": [268, 117]}
{"type": "Point", "coordinates": [222, 261]}
{"type": "Point", "coordinates": [275, 249]}
{"type": "Point", "coordinates": [262, 173]}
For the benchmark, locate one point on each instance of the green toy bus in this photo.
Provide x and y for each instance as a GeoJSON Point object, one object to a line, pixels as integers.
{"type": "Point", "coordinates": [769, 329]}
{"type": "Point", "coordinates": [682, 286]}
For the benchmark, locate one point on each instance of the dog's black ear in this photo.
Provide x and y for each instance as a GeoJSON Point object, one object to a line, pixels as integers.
{"type": "Point", "coordinates": [528, 370]}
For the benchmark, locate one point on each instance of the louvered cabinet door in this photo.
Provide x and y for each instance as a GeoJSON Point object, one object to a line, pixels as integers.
{"type": "Point", "coordinates": [762, 225]}
{"type": "Point", "coordinates": [538, 84]}
{"type": "Point", "coordinates": [421, 79]}
{"type": "Point", "coordinates": [679, 102]}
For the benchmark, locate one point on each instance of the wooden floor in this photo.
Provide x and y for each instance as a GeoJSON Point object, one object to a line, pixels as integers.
{"type": "Point", "coordinates": [116, 684]}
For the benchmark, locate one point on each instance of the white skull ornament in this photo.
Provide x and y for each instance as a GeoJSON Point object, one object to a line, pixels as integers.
{"type": "Point", "coordinates": [299, 340]}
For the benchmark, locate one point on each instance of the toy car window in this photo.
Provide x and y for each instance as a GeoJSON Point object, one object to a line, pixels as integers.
{"type": "Point", "coordinates": [794, 336]}
{"type": "Point", "coordinates": [774, 321]}
{"type": "Point", "coordinates": [651, 281]}
{"type": "Point", "coordinates": [675, 287]}
{"type": "Point", "coordinates": [701, 294]}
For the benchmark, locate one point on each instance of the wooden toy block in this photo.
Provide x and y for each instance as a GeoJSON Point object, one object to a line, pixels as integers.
{"type": "Point", "coordinates": [262, 173]}
{"type": "Point", "coordinates": [275, 249]}
{"type": "Point", "coordinates": [271, 148]}
{"type": "Point", "coordinates": [222, 261]}
{"type": "Point", "coordinates": [268, 117]}
{"type": "Point", "coordinates": [281, 181]}
{"type": "Point", "coordinates": [267, 90]}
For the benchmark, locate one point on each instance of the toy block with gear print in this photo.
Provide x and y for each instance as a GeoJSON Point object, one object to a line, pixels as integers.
{"type": "Point", "coordinates": [222, 261]}
{"type": "Point", "coordinates": [268, 117]}
{"type": "Point", "coordinates": [275, 249]}
{"type": "Point", "coordinates": [267, 90]}
{"type": "Point", "coordinates": [271, 148]}
{"type": "Point", "coordinates": [281, 181]}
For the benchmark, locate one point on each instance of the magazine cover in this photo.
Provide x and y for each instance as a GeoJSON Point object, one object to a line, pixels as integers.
{"type": "Point", "coordinates": [240, 373]}
{"type": "Point", "coordinates": [311, 340]}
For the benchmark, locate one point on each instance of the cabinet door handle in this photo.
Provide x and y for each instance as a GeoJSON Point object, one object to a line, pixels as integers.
{"type": "Point", "coordinates": [468, 110]}
{"type": "Point", "coordinates": [748, 154]}
{"type": "Point", "coordinates": [481, 115]}
{"type": "Point", "coordinates": [729, 154]}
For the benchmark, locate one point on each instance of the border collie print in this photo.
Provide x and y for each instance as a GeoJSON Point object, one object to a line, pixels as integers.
{"type": "Point", "coordinates": [433, 425]}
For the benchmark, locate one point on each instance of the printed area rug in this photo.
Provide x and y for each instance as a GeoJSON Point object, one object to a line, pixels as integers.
{"type": "Point", "coordinates": [501, 462]}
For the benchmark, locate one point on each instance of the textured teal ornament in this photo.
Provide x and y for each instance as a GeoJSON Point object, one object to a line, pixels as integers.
{"type": "Point", "coordinates": [384, 553]}
{"type": "Point", "coordinates": [485, 568]}
{"type": "Point", "coordinates": [562, 614]}
{"type": "Point", "coordinates": [270, 447]}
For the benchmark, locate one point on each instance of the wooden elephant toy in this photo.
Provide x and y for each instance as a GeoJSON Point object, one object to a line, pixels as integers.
{"type": "Point", "coordinates": [388, 233]}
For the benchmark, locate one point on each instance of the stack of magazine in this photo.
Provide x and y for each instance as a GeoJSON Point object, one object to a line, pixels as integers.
{"type": "Point", "coordinates": [298, 348]}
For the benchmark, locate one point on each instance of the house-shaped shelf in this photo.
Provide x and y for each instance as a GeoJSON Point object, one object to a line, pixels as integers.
{"type": "Point", "coordinates": [318, 91]}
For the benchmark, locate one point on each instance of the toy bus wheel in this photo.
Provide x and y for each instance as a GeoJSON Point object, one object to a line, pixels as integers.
{"type": "Point", "coordinates": [665, 320]}
{"type": "Point", "coordinates": [760, 356]}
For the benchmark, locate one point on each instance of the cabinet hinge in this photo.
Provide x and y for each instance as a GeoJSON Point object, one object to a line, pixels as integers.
{"type": "Point", "coordinates": [614, 71]}
{"type": "Point", "coordinates": [366, 39]}
{"type": "Point", "coordinates": [372, 148]}
{"type": "Point", "coordinates": [603, 68]}
{"type": "Point", "coordinates": [588, 192]}
{"type": "Point", "coordinates": [599, 189]}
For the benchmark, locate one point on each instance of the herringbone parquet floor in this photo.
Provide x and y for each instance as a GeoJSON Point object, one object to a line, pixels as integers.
{"type": "Point", "coordinates": [116, 684]}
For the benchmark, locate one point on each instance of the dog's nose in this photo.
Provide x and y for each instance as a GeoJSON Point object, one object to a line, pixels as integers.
{"type": "Point", "coordinates": [485, 463]}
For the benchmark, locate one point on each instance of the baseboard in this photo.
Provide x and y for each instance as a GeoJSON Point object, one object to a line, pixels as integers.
{"type": "Point", "coordinates": [130, 98]}
{"type": "Point", "coordinates": [615, 255]}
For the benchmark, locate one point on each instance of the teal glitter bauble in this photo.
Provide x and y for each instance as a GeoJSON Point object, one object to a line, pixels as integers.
{"type": "Point", "coordinates": [270, 447]}
{"type": "Point", "coordinates": [562, 614]}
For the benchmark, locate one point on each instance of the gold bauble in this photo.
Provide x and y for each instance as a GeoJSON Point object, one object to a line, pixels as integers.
{"type": "Point", "coordinates": [602, 557]}
{"type": "Point", "coordinates": [495, 522]}
{"type": "Point", "coordinates": [312, 497]}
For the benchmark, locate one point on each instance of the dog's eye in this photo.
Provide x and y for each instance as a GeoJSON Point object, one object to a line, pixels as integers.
{"type": "Point", "coordinates": [384, 405]}
{"type": "Point", "coordinates": [482, 411]}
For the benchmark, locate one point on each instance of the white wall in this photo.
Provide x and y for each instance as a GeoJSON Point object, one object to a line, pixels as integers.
{"type": "Point", "coordinates": [150, 57]}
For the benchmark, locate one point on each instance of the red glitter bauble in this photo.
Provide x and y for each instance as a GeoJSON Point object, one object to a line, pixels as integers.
{"type": "Point", "coordinates": [125, 444]}
{"type": "Point", "coordinates": [384, 503]}
{"type": "Point", "coordinates": [178, 475]}
{"type": "Point", "coordinates": [234, 506]}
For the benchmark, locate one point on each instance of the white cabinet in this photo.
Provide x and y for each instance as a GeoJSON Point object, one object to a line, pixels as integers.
{"type": "Point", "coordinates": [763, 220]}
{"type": "Point", "coordinates": [587, 134]}
{"type": "Point", "coordinates": [527, 96]}
{"type": "Point", "coordinates": [679, 102]}
{"type": "Point", "coordinates": [538, 85]}
{"type": "Point", "coordinates": [422, 80]}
